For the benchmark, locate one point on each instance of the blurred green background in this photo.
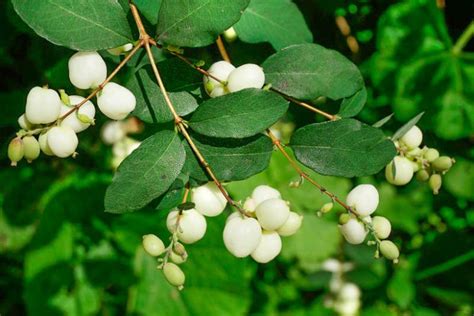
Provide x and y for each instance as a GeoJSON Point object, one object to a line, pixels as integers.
{"type": "Point", "coordinates": [60, 254]}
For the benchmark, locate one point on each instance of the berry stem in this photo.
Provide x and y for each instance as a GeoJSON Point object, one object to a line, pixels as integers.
{"type": "Point", "coordinates": [222, 50]}
{"type": "Point", "coordinates": [464, 39]}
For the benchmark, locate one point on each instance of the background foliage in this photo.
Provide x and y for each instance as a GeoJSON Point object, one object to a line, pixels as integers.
{"type": "Point", "coordinates": [61, 254]}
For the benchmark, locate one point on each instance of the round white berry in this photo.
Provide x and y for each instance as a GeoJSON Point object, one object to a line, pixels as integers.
{"type": "Point", "coordinates": [192, 225]}
{"type": "Point", "coordinates": [232, 216]}
{"type": "Point", "coordinates": [246, 76]}
{"type": "Point", "coordinates": [263, 193]}
{"type": "Point", "coordinates": [220, 70]}
{"type": "Point", "coordinates": [364, 199]}
{"type": "Point", "coordinates": [272, 214]}
{"type": "Point", "coordinates": [292, 224]}
{"type": "Point", "coordinates": [403, 171]}
{"type": "Point", "coordinates": [382, 227]}
{"type": "Point", "coordinates": [80, 119]}
{"type": "Point", "coordinates": [24, 123]}
{"type": "Point", "coordinates": [208, 199]}
{"type": "Point", "coordinates": [268, 248]}
{"type": "Point", "coordinates": [42, 106]}
{"type": "Point", "coordinates": [62, 141]}
{"type": "Point", "coordinates": [353, 231]}
{"type": "Point", "coordinates": [173, 274]}
{"type": "Point", "coordinates": [412, 138]}
{"type": "Point", "coordinates": [87, 70]}
{"type": "Point", "coordinates": [242, 235]}
{"type": "Point", "coordinates": [153, 245]}
{"type": "Point", "coordinates": [43, 142]}
{"type": "Point", "coordinates": [116, 101]}
{"type": "Point", "coordinates": [112, 132]}
{"type": "Point", "coordinates": [349, 291]}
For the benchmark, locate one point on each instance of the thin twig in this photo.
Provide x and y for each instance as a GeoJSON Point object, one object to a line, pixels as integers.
{"type": "Point", "coordinates": [222, 50]}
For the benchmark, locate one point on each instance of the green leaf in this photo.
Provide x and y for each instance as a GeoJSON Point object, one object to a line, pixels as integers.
{"type": "Point", "coordinates": [345, 147]}
{"type": "Point", "coordinates": [146, 174]}
{"type": "Point", "coordinates": [151, 106]}
{"type": "Point", "coordinates": [383, 121]}
{"type": "Point", "coordinates": [278, 22]}
{"type": "Point", "coordinates": [196, 23]}
{"type": "Point", "coordinates": [401, 289]}
{"type": "Point", "coordinates": [230, 159]}
{"type": "Point", "coordinates": [238, 115]}
{"type": "Point", "coordinates": [149, 9]}
{"type": "Point", "coordinates": [80, 25]}
{"type": "Point", "coordinates": [351, 106]}
{"type": "Point", "coordinates": [308, 71]}
{"type": "Point", "coordinates": [406, 127]}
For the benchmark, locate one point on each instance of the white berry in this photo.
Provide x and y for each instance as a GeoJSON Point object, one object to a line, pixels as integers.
{"type": "Point", "coordinates": [353, 231]}
{"type": "Point", "coordinates": [268, 248]}
{"type": "Point", "coordinates": [220, 70]}
{"type": "Point", "coordinates": [272, 214]}
{"type": "Point", "coordinates": [250, 205]}
{"type": "Point", "coordinates": [79, 119]}
{"type": "Point", "coordinates": [192, 225]}
{"type": "Point", "coordinates": [403, 171]}
{"type": "Point", "coordinates": [246, 76]}
{"type": "Point", "coordinates": [112, 132]}
{"type": "Point", "coordinates": [263, 193]}
{"type": "Point", "coordinates": [62, 141]}
{"type": "Point", "coordinates": [43, 142]}
{"type": "Point", "coordinates": [382, 227]}
{"type": "Point", "coordinates": [364, 199]}
{"type": "Point", "coordinates": [292, 224]}
{"type": "Point", "coordinates": [208, 199]}
{"type": "Point", "coordinates": [153, 245]}
{"type": "Point", "coordinates": [242, 236]}
{"type": "Point", "coordinates": [42, 106]}
{"type": "Point", "coordinates": [349, 292]}
{"type": "Point", "coordinates": [116, 101]}
{"type": "Point", "coordinates": [412, 138]}
{"type": "Point", "coordinates": [87, 70]}
{"type": "Point", "coordinates": [24, 123]}
{"type": "Point", "coordinates": [232, 216]}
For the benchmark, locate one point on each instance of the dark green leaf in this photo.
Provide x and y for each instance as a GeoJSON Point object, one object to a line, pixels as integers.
{"type": "Point", "coordinates": [351, 106]}
{"type": "Point", "coordinates": [196, 23]}
{"type": "Point", "coordinates": [230, 159]}
{"type": "Point", "coordinates": [308, 71]}
{"type": "Point", "coordinates": [146, 174]}
{"type": "Point", "coordinates": [80, 24]}
{"type": "Point", "coordinates": [238, 115]}
{"type": "Point", "coordinates": [382, 122]}
{"type": "Point", "coordinates": [149, 9]}
{"type": "Point", "coordinates": [344, 147]}
{"type": "Point", "coordinates": [279, 22]}
{"type": "Point", "coordinates": [151, 106]}
{"type": "Point", "coordinates": [406, 127]}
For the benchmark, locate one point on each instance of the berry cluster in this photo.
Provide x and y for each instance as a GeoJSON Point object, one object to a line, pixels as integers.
{"type": "Point", "coordinates": [57, 117]}
{"type": "Point", "coordinates": [425, 162]}
{"type": "Point", "coordinates": [115, 133]}
{"type": "Point", "coordinates": [355, 225]}
{"type": "Point", "coordinates": [232, 79]}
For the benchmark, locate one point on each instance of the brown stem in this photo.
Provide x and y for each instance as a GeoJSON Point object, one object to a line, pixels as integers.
{"type": "Point", "coordinates": [138, 21]}
{"type": "Point", "coordinates": [222, 50]}
{"type": "Point", "coordinates": [304, 175]}
{"type": "Point", "coordinates": [204, 72]}
{"type": "Point", "coordinates": [186, 193]}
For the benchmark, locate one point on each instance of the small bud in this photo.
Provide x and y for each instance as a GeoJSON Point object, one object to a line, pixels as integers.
{"type": "Point", "coordinates": [422, 175]}
{"type": "Point", "coordinates": [153, 245]}
{"type": "Point", "coordinates": [177, 258]}
{"type": "Point", "coordinates": [442, 164]}
{"type": "Point", "coordinates": [327, 207]}
{"type": "Point", "coordinates": [230, 35]}
{"type": "Point", "coordinates": [16, 151]}
{"type": "Point", "coordinates": [84, 118]}
{"type": "Point", "coordinates": [344, 218]}
{"type": "Point", "coordinates": [435, 183]}
{"type": "Point", "coordinates": [431, 154]}
{"type": "Point", "coordinates": [174, 275]}
{"type": "Point", "coordinates": [64, 97]}
{"type": "Point", "coordinates": [32, 148]}
{"type": "Point", "coordinates": [179, 249]}
{"type": "Point", "coordinates": [389, 250]}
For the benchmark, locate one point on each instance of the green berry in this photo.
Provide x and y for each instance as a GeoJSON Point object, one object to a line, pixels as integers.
{"type": "Point", "coordinates": [435, 183]}
{"type": "Point", "coordinates": [16, 150]}
{"type": "Point", "coordinates": [153, 245]}
{"type": "Point", "coordinates": [382, 227]}
{"type": "Point", "coordinates": [32, 148]}
{"type": "Point", "coordinates": [389, 250]}
{"type": "Point", "coordinates": [442, 164]}
{"type": "Point", "coordinates": [431, 154]}
{"type": "Point", "coordinates": [422, 175]}
{"type": "Point", "coordinates": [174, 275]}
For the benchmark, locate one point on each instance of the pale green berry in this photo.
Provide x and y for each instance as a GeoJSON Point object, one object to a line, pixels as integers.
{"type": "Point", "coordinates": [415, 165]}
{"type": "Point", "coordinates": [153, 245]}
{"type": "Point", "coordinates": [174, 275]}
{"type": "Point", "coordinates": [435, 183]}
{"type": "Point", "coordinates": [353, 231]}
{"type": "Point", "coordinates": [363, 199]}
{"type": "Point", "coordinates": [382, 227]}
{"type": "Point", "coordinates": [16, 150]}
{"type": "Point", "coordinates": [326, 208]}
{"type": "Point", "coordinates": [442, 164]}
{"type": "Point", "coordinates": [292, 225]}
{"type": "Point", "coordinates": [268, 248]}
{"type": "Point", "coordinates": [121, 49]}
{"type": "Point", "coordinates": [344, 218]}
{"type": "Point", "coordinates": [431, 154]}
{"type": "Point", "coordinates": [32, 148]}
{"type": "Point", "coordinates": [178, 259]}
{"type": "Point", "coordinates": [272, 213]}
{"type": "Point", "coordinates": [242, 236]}
{"type": "Point", "coordinates": [24, 123]}
{"type": "Point", "coordinates": [43, 141]}
{"type": "Point", "coordinates": [389, 250]}
{"type": "Point", "coordinates": [230, 35]}
{"type": "Point", "coordinates": [403, 171]}
{"type": "Point", "coordinates": [412, 138]}
{"type": "Point", "coordinates": [422, 175]}
{"type": "Point", "coordinates": [208, 199]}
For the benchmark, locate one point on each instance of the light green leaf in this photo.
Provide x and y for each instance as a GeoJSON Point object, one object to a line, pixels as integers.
{"type": "Point", "coordinates": [406, 127]}
{"type": "Point", "coordinates": [230, 159]}
{"type": "Point", "coordinates": [238, 115]}
{"type": "Point", "coordinates": [345, 147]}
{"type": "Point", "coordinates": [79, 24]}
{"type": "Point", "coordinates": [308, 71]}
{"type": "Point", "coordinates": [279, 22]}
{"type": "Point", "coordinates": [401, 289]}
{"type": "Point", "coordinates": [196, 23]}
{"type": "Point", "coordinates": [146, 174]}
